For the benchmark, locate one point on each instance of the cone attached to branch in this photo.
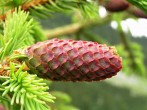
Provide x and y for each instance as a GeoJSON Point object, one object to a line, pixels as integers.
{"type": "Point", "coordinates": [70, 60]}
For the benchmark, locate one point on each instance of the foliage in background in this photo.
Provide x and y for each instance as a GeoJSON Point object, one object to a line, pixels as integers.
{"type": "Point", "coordinates": [63, 101]}
{"type": "Point", "coordinates": [121, 92]}
{"type": "Point", "coordinates": [139, 58]}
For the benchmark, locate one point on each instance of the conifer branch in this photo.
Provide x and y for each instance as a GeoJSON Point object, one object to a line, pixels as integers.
{"type": "Point", "coordinates": [43, 6]}
{"type": "Point", "coordinates": [19, 31]}
{"type": "Point", "coordinates": [26, 90]}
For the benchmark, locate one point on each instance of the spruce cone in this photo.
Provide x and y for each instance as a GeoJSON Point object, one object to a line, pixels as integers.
{"type": "Point", "coordinates": [116, 5]}
{"type": "Point", "coordinates": [70, 60]}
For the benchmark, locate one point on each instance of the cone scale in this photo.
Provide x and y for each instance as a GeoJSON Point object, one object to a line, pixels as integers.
{"type": "Point", "coordinates": [70, 60]}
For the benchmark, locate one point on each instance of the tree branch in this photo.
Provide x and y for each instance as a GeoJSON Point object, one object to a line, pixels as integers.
{"type": "Point", "coordinates": [75, 27]}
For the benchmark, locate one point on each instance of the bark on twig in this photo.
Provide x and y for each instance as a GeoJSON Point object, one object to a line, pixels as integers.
{"type": "Point", "coordinates": [26, 6]}
{"type": "Point", "coordinates": [33, 3]}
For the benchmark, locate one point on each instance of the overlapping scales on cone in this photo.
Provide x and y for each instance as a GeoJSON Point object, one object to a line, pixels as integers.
{"type": "Point", "coordinates": [70, 60]}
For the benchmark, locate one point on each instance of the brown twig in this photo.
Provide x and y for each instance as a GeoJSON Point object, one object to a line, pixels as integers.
{"type": "Point", "coordinates": [2, 17]}
{"type": "Point", "coordinates": [26, 7]}
{"type": "Point", "coordinates": [33, 3]}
